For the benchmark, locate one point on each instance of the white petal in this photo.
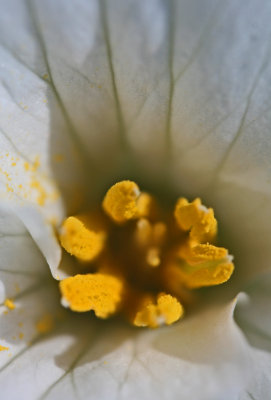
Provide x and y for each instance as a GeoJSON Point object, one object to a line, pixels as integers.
{"type": "Point", "coordinates": [187, 77]}
{"type": "Point", "coordinates": [106, 86]}
{"type": "Point", "coordinates": [26, 184]}
{"type": "Point", "coordinates": [254, 316]}
{"type": "Point", "coordinates": [203, 357]}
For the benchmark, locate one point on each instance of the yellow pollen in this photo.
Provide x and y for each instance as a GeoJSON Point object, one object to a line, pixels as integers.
{"type": "Point", "coordinates": [196, 219]}
{"type": "Point", "coordinates": [142, 261]}
{"type": "Point", "coordinates": [165, 310]}
{"type": "Point", "coordinates": [203, 265]}
{"type": "Point", "coordinates": [98, 292]}
{"type": "Point", "coordinates": [9, 304]}
{"type": "Point", "coordinates": [207, 274]}
{"type": "Point", "coordinates": [2, 348]}
{"type": "Point", "coordinates": [45, 324]}
{"type": "Point", "coordinates": [81, 239]}
{"type": "Point", "coordinates": [195, 254]}
{"type": "Point", "coordinates": [124, 201]}
{"type": "Point", "coordinates": [41, 197]}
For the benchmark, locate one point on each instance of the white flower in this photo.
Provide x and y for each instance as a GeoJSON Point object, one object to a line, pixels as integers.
{"type": "Point", "coordinates": [175, 92]}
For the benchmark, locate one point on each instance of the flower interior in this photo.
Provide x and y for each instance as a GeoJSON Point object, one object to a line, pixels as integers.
{"type": "Point", "coordinates": [139, 259]}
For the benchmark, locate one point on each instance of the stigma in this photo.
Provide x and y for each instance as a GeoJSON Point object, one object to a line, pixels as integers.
{"type": "Point", "coordinates": [140, 260]}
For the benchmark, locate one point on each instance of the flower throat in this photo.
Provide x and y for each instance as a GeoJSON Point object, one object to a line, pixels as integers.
{"type": "Point", "coordinates": [140, 260]}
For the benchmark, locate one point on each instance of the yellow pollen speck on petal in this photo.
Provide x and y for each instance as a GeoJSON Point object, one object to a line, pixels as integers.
{"type": "Point", "coordinates": [26, 166]}
{"type": "Point", "coordinates": [120, 201]}
{"type": "Point", "coordinates": [35, 184]}
{"type": "Point", "coordinates": [2, 348]}
{"type": "Point", "coordinates": [197, 219]}
{"type": "Point", "coordinates": [166, 310]}
{"type": "Point", "coordinates": [58, 157]}
{"type": "Point", "coordinates": [9, 304]}
{"type": "Point", "coordinates": [80, 240]}
{"type": "Point", "coordinates": [101, 293]}
{"type": "Point", "coordinates": [45, 324]}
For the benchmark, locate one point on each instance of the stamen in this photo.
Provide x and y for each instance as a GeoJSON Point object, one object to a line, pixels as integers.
{"type": "Point", "coordinates": [124, 201]}
{"type": "Point", "coordinates": [80, 239]}
{"type": "Point", "coordinates": [145, 268]}
{"type": "Point", "coordinates": [153, 257]}
{"type": "Point", "coordinates": [143, 232]}
{"type": "Point", "coordinates": [98, 292]}
{"type": "Point", "coordinates": [197, 219]}
{"type": "Point", "coordinates": [208, 273]}
{"type": "Point", "coordinates": [165, 310]}
{"type": "Point", "coordinates": [159, 232]}
{"type": "Point", "coordinates": [146, 206]}
{"type": "Point", "coordinates": [201, 265]}
{"type": "Point", "coordinates": [120, 202]}
{"type": "Point", "coordinates": [196, 254]}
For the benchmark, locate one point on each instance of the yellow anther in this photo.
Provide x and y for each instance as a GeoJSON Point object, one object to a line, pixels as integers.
{"type": "Point", "coordinates": [145, 205]}
{"type": "Point", "coordinates": [79, 238]}
{"type": "Point", "coordinates": [134, 262]}
{"type": "Point", "coordinates": [153, 257]}
{"type": "Point", "coordinates": [166, 310]}
{"type": "Point", "coordinates": [98, 292]}
{"type": "Point", "coordinates": [196, 219]}
{"type": "Point", "coordinates": [147, 234]}
{"type": "Point", "coordinates": [195, 254]}
{"type": "Point", "coordinates": [120, 201]}
{"type": "Point", "coordinates": [2, 348]}
{"type": "Point", "coordinates": [124, 201]}
{"type": "Point", "coordinates": [143, 232]}
{"type": "Point", "coordinates": [9, 304]}
{"type": "Point", "coordinates": [159, 232]}
{"type": "Point", "coordinates": [209, 274]}
{"type": "Point", "coordinates": [206, 273]}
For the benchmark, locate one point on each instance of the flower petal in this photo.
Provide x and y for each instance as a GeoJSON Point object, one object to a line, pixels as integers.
{"type": "Point", "coordinates": [253, 315]}
{"type": "Point", "coordinates": [203, 357]}
{"type": "Point", "coordinates": [26, 185]}
{"type": "Point", "coordinates": [186, 78]}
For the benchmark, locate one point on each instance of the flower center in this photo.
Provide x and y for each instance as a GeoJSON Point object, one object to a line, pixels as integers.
{"type": "Point", "coordinates": [141, 260]}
